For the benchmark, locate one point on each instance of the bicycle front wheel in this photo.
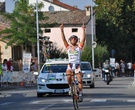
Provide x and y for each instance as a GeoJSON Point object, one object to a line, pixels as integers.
{"type": "Point", "coordinates": [75, 96]}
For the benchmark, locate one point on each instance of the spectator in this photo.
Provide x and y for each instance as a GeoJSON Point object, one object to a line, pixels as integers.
{"type": "Point", "coordinates": [10, 70]}
{"type": "Point", "coordinates": [9, 64]}
{"type": "Point", "coordinates": [133, 66]}
{"type": "Point", "coordinates": [122, 68]}
{"type": "Point", "coordinates": [4, 71]}
{"type": "Point", "coordinates": [117, 68]}
{"type": "Point", "coordinates": [129, 68]}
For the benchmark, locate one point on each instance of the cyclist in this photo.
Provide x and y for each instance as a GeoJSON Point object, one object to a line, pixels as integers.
{"type": "Point", "coordinates": [74, 53]}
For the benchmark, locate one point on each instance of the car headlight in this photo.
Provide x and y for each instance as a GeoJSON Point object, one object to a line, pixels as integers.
{"type": "Point", "coordinates": [107, 71]}
{"type": "Point", "coordinates": [42, 80]}
{"type": "Point", "coordinates": [88, 75]}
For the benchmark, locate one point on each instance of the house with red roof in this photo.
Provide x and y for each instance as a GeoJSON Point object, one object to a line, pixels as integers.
{"type": "Point", "coordinates": [59, 13]}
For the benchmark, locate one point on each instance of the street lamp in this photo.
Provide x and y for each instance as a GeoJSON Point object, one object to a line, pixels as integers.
{"type": "Point", "coordinates": [92, 26]}
{"type": "Point", "coordinates": [38, 53]}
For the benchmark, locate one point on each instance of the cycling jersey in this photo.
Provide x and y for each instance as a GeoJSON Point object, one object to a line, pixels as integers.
{"type": "Point", "coordinates": [74, 54]}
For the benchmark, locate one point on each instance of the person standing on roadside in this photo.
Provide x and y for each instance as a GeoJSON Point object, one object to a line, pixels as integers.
{"type": "Point", "coordinates": [117, 68]}
{"type": "Point", "coordinates": [9, 64]}
{"type": "Point", "coordinates": [10, 69]}
{"type": "Point", "coordinates": [122, 68]}
{"type": "Point", "coordinates": [129, 68]}
{"type": "Point", "coordinates": [4, 71]}
{"type": "Point", "coordinates": [133, 66]}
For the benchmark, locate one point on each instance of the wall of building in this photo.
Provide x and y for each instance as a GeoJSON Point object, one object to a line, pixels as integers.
{"type": "Point", "coordinates": [6, 53]}
{"type": "Point", "coordinates": [10, 4]}
{"type": "Point", "coordinates": [55, 35]}
{"type": "Point", "coordinates": [47, 5]}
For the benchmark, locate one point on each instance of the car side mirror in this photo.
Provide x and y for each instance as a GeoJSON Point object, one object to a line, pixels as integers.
{"type": "Point", "coordinates": [35, 73]}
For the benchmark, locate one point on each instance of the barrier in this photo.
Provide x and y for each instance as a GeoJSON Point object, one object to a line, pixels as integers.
{"type": "Point", "coordinates": [18, 77]}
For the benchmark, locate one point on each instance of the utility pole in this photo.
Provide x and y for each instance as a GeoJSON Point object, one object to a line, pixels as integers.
{"type": "Point", "coordinates": [38, 50]}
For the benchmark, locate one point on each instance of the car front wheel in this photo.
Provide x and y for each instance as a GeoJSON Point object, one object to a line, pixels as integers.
{"type": "Point", "coordinates": [39, 94]}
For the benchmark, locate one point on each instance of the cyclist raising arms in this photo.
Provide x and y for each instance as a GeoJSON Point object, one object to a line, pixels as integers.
{"type": "Point", "coordinates": [74, 56]}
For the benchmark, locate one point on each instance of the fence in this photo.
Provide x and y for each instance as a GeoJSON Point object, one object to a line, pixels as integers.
{"type": "Point", "coordinates": [15, 78]}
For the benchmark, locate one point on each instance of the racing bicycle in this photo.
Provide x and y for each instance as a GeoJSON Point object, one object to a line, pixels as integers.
{"type": "Point", "coordinates": [74, 90]}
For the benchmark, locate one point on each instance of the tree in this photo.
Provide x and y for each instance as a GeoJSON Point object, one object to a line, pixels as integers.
{"type": "Point", "coordinates": [100, 54]}
{"type": "Point", "coordinates": [22, 29]}
{"type": "Point", "coordinates": [115, 26]}
{"type": "Point", "coordinates": [56, 52]}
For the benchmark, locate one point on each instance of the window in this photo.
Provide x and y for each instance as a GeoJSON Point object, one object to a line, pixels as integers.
{"type": "Point", "coordinates": [85, 66]}
{"type": "Point", "coordinates": [55, 68]}
{"type": "Point", "coordinates": [74, 30]}
{"type": "Point", "coordinates": [47, 30]}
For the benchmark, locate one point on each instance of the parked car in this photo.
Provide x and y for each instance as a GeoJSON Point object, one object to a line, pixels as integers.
{"type": "Point", "coordinates": [52, 77]}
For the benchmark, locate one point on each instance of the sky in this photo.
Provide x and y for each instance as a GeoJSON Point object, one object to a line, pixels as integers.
{"type": "Point", "coordinates": [79, 3]}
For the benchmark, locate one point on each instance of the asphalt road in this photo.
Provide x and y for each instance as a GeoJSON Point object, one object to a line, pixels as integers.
{"type": "Point", "coordinates": [119, 95]}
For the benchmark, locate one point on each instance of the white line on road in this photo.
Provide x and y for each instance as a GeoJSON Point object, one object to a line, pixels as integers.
{"type": "Point", "coordinates": [7, 103]}
{"type": "Point", "coordinates": [68, 100]}
{"type": "Point", "coordinates": [44, 108]}
{"type": "Point", "coordinates": [98, 100]}
{"type": "Point", "coordinates": [130, 101]}
{"type": "Point", "coordinates": [7, 95]}
{"type": "Point", "coordinates": [36, 102]}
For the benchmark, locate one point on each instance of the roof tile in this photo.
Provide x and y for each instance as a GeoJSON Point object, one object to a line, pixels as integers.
{"type": "Point", "coordinates": [57, 2]}
{"type": "Point", "coordinates": [67, 17]}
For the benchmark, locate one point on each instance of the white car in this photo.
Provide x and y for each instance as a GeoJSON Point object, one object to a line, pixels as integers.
{"type": "Point", "coordinates": [52, 77]}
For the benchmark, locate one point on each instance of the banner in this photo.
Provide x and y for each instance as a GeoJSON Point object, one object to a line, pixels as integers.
{"type": "Point", "coordinates": [26, 62]}
{"type": "Point", "coordinates": [112, 62]}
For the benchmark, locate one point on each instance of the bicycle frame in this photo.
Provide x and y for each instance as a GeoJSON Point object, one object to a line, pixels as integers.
{"type": "Point", "coordinates": [75, 92]}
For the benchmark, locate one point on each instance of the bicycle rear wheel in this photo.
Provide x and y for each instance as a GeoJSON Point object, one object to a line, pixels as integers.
{"type": "Point", "coordinates": [75, 96]}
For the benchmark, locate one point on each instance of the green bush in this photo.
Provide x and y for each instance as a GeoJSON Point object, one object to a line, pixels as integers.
{"type": "Point", "coordinates": [100, 54]}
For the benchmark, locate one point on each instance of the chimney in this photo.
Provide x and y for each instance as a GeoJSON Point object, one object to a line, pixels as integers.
{"type": "Point", "coordinates": [87, 8]}
{"type": "Point", "coordinates": [75, 6]}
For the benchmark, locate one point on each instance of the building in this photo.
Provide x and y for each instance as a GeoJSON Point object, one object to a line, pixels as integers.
{"type": "Point", "coordinates": [72, 18]}
{"type": "Point", "coordinates": [50, 5]}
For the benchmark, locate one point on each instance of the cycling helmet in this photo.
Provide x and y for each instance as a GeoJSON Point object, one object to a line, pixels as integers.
{"type": "Point", "coordinates": [73, 36]}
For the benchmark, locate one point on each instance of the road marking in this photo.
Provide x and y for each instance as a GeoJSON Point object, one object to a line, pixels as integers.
{"type": "Point", "coordinates": [7, 95]}
{"type": "Point", "coordinates": [130, 100]}
{"type": "Point", "coordinates": [98, 100]}
{"type": "Point", "coordinates": [44, 108]}
{"type": "Point", "coordinates": [7, 103]}
{"type": "Point", "coordinates": [68, 100]}
{"type": "Point", "coordinates": [35, 102]}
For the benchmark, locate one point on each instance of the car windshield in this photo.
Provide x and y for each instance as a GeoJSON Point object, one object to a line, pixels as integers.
{"type": "Point", "coordinates": [85, 66]}
{"type": "Point", "coordinates": [54, 68]}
